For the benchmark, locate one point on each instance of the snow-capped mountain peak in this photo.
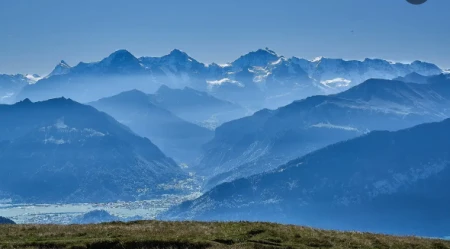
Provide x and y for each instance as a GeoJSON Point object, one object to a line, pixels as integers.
{"type": "Point", "coordinates": [62, 63]}
{"type": "Point", "coordinates": [119, 56]}
{"type": "Point", "coordinates": [174, 63]}
{"type": "Point", "coordinates": [62, 68]}
{"type": "Point", "coordinates": [258, 58]}
{"type": "Point", "coordinates": [267, 50]}
{"type": "Point", "coordinates": [178, 53]}
{"type": "Point", "coordinates": [262, 72]}
{"type": "Point", "coordinates": [317, 59]}
{"type": "Point", "coordinates": [179, 57]}
{"type": "Point", "coordinates": [121, 61]}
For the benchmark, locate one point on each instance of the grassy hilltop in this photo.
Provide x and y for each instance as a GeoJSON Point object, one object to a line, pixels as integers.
{"type": "Point", "coordinates": [199, 235]}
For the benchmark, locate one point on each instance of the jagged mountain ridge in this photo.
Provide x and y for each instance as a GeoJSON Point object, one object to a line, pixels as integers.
{"type": "Point", "coordinates": [258, 79]}
{"type": "Point", "coordinates": [61, 68]}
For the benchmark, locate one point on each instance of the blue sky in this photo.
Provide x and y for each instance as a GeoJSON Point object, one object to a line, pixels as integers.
{"type": "Point", "coordinates": [36, 35]}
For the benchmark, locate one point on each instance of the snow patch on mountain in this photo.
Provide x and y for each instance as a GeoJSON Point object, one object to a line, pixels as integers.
{"type": "Point", "coordinates": [33, 78]}
{"type": "Point", "coordinates": [337, 82]}
{"type": "Point", "coordinates": [64, 130]}
{"type": "Point", "coordinates": [317, 59]}
{"type": "Point", "coordinates": [224, 81]}
{"type": "Point", "coordinates": [6, 96]}
{"type": "Point", "coordinates": [93, 133]}
{"type": "Point", "coordinates": [60, 124]}
{"type": "Point", "coordinates": [261, 74]}
{"type": "Point", "coordinates": [397, 180]}
{"type": "Point", "coordinates": [52, 140]}
{"type": "Point", "coordinates": [278, 61]}
{"type": "Point", "coordinates": [224, 65]}
{"type": "Point", "coordinates": [332, 126]}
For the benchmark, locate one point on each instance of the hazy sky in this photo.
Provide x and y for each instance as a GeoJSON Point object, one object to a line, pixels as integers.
{"type": "Point", "coordinates": [36, 34]}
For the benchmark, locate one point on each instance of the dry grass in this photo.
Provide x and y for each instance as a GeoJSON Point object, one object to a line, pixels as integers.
{"type": "Point", "coordinates": [198, 235]}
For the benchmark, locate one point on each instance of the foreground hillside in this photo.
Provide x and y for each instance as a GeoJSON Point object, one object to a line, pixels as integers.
{"type": "Point", "coordinates": [156, 234]}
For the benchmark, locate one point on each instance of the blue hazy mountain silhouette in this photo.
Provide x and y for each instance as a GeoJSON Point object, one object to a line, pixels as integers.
{"type": "Point", "coordinates": [272, 137]}
{"type": "Point", "coordinates": [119, 62]}
{"type": "Point", "coordinates": [414, 78]}
{"type": "Point", "coordinates": [196, 106]}
{"type": "Point", "coordinates": [62, 151]}
{"type": "Point", "coordinates": [391, 182]}
{"type": "Point", "coordinates": [178, 138]}
{"type": "Point", "coordinates": [260, 57]}
{"type": "Point", "coordinates": [62, 68]}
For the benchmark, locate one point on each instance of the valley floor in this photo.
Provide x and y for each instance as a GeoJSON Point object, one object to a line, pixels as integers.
{"type": "Point", "coordinates": [158, 234]}
{"type": "Point", "coordinates": [65, 213]}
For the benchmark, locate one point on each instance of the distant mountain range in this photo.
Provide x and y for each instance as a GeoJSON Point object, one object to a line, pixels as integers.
{"type": "Point", "coordinates": [11, 85]}
{"type": "Point", "coordinates": [62, 151]}
{"type": "Point", "coordinates": [197, 107]}
{"type": "Point", "coordinates": [270, 138]}
{"type": "Point", "coordinates": [390, 182]}
{"type": "Point", "coordinates": [258, 79]}
{"type": "Point", "coordinates": [234, 125]}
{"type": "Point", "coordinates": [176, 137]}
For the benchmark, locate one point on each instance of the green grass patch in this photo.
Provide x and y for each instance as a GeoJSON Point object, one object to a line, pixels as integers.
{"type": "Point", "coordinates": [199, 235]}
